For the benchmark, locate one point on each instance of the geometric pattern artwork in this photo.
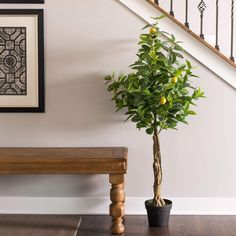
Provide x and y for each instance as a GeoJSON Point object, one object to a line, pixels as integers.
{"type": "Point", "coordinates": [13, 76]}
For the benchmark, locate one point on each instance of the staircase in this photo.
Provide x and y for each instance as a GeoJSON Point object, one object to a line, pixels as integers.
{"type": "Point", "coordinates": [205, 29]}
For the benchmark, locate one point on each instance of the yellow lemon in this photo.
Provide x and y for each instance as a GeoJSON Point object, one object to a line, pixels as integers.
{"type": "Point", "coordinates": [174, 80]}
{"type": "Point", "coordinates": [163, 100]}
{"type": "Point", "coordinates": [153, 30]}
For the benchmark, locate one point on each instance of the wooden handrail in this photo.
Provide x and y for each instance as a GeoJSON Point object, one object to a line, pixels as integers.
{"type": "Point", "coordinates": [209, 46]}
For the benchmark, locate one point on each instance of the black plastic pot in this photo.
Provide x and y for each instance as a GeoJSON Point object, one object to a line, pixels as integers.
{"type": "Point", "coordinates": [158, 216]}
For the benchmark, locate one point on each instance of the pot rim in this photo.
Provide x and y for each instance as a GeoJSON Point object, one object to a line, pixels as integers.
{"type": "Point", "coordinates": [167, 201]}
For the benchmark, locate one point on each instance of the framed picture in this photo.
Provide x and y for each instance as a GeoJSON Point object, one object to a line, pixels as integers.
{"type": "Point", "coordinates": [22, 1]}
{"type": "Point", "coordinates": [21, 60]}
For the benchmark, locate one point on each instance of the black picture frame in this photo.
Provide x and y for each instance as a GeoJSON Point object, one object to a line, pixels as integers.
{"type": "Point", "coordinates": [22, 1]}
{"type": "Point", "coordinates": [33, 67]}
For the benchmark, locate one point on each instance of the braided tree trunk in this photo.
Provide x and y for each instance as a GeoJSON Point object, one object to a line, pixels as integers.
{"type": "Point", "coordinates": [157, 169]}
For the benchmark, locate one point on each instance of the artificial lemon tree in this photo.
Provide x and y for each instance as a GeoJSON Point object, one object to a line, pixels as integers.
{"type": "Point", "coordinates": [157, 95]}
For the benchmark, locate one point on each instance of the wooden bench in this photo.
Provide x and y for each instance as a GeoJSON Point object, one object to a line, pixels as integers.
{"type": "Point", "coordinates": [110, 160]}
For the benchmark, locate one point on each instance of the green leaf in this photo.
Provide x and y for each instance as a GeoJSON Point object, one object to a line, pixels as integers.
{"type": "Point", "coordinates": [184, 121]}
{"type": "Point", "coordinates": [192, 112]}
{"type": "Point", "coordinates": [108, 77]}
{"type": "Point", "coordinates": [198, 93]}
{"type": "Point", "coordinates": [179, 55]}
{"type": "Point", "coordinates": [146, 26]}
{"type": "Point", "coordinates": [173, 37]}
{"type": "Point", "coordinates": [178, 48]}
{"type": "Point", "coordinates": [149, 131]}
{"type": "Point", "coordinates": [184, 91]}
{"type": "Point", "coordinates": [158, 17]}
{"type": "Point", "coordinates": [140, 125]}
{"type": "Point", "coordinates": [186, 107]}
{"type": "Point", "coordinates": [135, 119]}
{"type": "Point", "coordinates": [172, 58]}
{"type": "Point", "coordinates": [188, 64]}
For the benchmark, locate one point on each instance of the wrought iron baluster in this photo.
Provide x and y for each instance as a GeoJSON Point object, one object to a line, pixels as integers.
{"type": "Point", "coordinates": [232, 32]}
{"type": "Point", "coordinates": [157, 2]}
{"type": "Point", "coordinates": [186, 14]}
{"type": "Point", "coordinates": [171, 8]}
{"type": "Point", "coordinates": [217, 25]}
{"type": "Point", "coordinates": [201, 8]}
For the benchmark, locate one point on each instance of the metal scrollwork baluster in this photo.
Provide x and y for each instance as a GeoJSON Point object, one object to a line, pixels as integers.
{"type": "Point", "coordinates": [217, 25]}
{"type": "Point", "coordinates": [232, 32]}
{"type": "Point", "coordinates": [186, 14]}
{"type": "Point", "coordinates": [201, 8]}
{"type": "Point", "coordinates": [171, 8]}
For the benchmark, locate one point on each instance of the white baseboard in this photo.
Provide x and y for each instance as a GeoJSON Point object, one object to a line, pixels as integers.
{"type": "Point", "coordinates": [100, 205]}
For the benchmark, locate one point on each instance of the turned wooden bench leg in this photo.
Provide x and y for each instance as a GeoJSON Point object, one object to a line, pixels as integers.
{"type": "Point", "coordinates": [117, 207]}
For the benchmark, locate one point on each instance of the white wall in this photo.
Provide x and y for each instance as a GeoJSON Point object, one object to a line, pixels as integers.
{"type": "Point", "coordinates": [84, 41]}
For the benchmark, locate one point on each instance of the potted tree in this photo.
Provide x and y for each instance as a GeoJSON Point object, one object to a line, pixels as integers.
{"type": "Point", "coordinates": [156, 95]}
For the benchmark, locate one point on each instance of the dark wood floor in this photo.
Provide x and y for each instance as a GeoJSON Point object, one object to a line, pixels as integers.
{"type": "Point", "coordinates": [178, 226]}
